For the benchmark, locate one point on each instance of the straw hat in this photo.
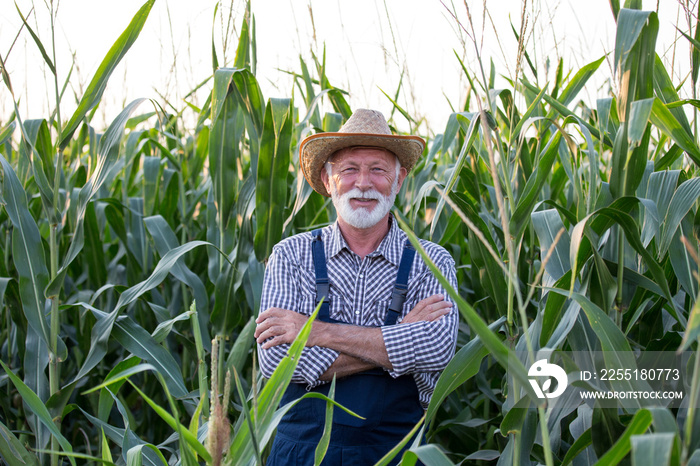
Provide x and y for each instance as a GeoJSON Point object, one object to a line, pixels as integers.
{"type": "Point", "coordinates": [363, 128]}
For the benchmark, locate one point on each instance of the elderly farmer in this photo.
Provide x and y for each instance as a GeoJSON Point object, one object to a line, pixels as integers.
{"type": "Point", "coordinates": [386, 327]}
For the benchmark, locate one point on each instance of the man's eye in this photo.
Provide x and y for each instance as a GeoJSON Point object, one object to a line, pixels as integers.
{"type": "Point", "coordinates": [378, 170]}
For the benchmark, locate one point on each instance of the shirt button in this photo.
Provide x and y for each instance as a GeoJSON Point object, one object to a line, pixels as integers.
{"type": "Point", "coordinates": [361, 275]}
{"type": "Point", "coordinates": [357, 313]}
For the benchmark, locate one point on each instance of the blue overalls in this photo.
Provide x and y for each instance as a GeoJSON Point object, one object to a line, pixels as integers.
{"type": "Point", "coordinates": [390, 406]}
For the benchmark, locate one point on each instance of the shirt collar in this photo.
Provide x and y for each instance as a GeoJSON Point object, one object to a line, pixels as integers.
{"type": "Point", "coordinates": [390, 248]}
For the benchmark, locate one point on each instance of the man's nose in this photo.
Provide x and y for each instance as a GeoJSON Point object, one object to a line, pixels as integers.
{"type": "Point", "coordinates": [363, 181]}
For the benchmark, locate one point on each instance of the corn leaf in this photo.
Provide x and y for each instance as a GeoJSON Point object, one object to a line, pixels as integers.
{"type": "Point", "coordinates": [323, 443]}
{"type": "Point", "coordinates": [102, 329]}
{"type": "Point", "coordinates": [463, 366]}
{"type": "Point", "coordinates": [652, 449]}
{"type": "Point", "coordinates": [165, 240]}
{"type": "Point", "coordinates": [108, 155]}
{"type": "Point", "coordinates": [39, 409]}
{"type": "Point", "coordinates": [273, 166]}
{"type": "Point", "coordinates": [175, 425]}
{"type": "Point", "coordinates": [242, 450]}
{"type": "Point", "coordinates": [639, 424]}
{"type": "Point", "coordinates": [684, 199]}
{"type": "Point", "coordinates": [31, 267]}
{"type": "Point", "coordinates": [662, 117]}
{"type": "Point", "coordinates": [497, 349]}
{"type": "Point", "coordinates": [530, 193]}
{"type": "Point", "coordinates": [98, 84]}
{"type": "Point", "coordinates": [12, 450]}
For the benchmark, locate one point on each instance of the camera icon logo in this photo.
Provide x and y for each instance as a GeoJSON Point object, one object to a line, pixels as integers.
{"type": "Point", "coordinates": [542, 368]}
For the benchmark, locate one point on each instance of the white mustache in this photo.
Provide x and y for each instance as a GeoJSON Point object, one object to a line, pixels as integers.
{"type": "Point", "coordinates": [356, 193]}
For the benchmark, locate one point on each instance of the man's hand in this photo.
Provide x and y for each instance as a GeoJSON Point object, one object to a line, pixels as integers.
{"type": "Point", "coordinates": [430, 309]}
{"type": "Point", "coordinates": [280, 325]}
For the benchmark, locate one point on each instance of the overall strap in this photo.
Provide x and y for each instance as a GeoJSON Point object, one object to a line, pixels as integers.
{"type": "Point", "coordinates": [322, 282]}
{"type": "Point", "coordinates": [398, 295]}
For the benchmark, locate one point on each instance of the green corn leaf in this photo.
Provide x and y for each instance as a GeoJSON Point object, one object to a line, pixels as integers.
{"type": "Point", "coordinates": [666, 91]}
{"type": "Point", "coordinates": [98, 84]}
{"type": "Point", "coordinates": [323, 443]}
{"type": "Point", "coordinates": [102, 329]}
{"type": "Point", "coordinates": [239, 353]}
{"type": "Point", "coordinates": [603, 219]}
{"type": "Point", "coordinates": [243, 57]}
{"type": "Point", "coordinates": [463, 366]}
{"type": "Point", "coordinates": [639, 424]}
{"type": "Point", "coordinates": [224, 151]}
{"type": "Point", "coordinates": [652, 449]}
{"type": "Point", "coordinates": [106, 401]}
{"type": "Point", "coordinates": [273, 166]}
{"type": "Point", "coordinates": [639, 116]}
{"type": "Point", "coordinates": [663, 119]}
{"type": "Point", "coordinates": [39, 409]}
{"type": "Point", "coordinates": [31, 267]}
{"type": "Point", "coordinates": [165, 240]}
{"type": "Point", "coordinates": [562, 110]}
{"type": "Point", "coordinates": [579, 81]}
{"type": "Point", "coordinates": [134, 455]}
{"type": "Point", "coordinates": [6, 132]}
{"type": "Point", "coordinates": [615, 7]}
{"type": "Point", "coordinates": [497, 349]}
{"type": "Point", "coordinates": [470, 123]}
{"type": "Point", "coordinates": [629, 27]}
{"type": "Point", "coordinates": [530, 194]}
{"type": "Point", "coordinates": [191, 439]}
{"type": "Point", "coordinates": [13, 451]}
{"type": "Point", "coordinates": [36, 144]}
{"type": "Point", "coordinates": [581, 443]}
{"type": "Point", "coordinates": [248, 421]}
{"type": "Point", "coordinates": [692, 331]}
{"type": "Point", "coordinates": [427, 454]}
{"type": "Point", "coordinates": [37, 41]}
{"type": "Point", "coordinates": [107, 159]}
{"type": "Point", "coordinates": [684, 199]}
{"type": "Point", "coordinates": [386, 459]}
{"type": "Point", "coordinates": [527, 116]}
{"type": "Point", "coordinates": [547, 224]}
{"type": "Point", "coordinates": [241, 450]}
{"type": "Point", "coordinates": [513, 421]}
{"type": "Point", "coordinates": [140, 343]}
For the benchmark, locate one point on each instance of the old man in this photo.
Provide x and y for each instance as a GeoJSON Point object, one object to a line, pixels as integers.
{"type": "Point", "coordinates": [386, 328]}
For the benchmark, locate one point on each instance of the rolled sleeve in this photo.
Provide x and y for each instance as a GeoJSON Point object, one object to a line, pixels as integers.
{"type": "Point", "coordinates": [424, 346]}
{"type": "Point", "coordinates": [281, 289]}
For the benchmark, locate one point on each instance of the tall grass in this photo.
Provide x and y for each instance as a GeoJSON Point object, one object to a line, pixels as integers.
{"type": "Point", "coordinates": [127, 252]}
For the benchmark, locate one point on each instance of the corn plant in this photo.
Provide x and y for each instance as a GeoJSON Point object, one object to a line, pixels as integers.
{"type": "Point", "coordinates": [133, 259]}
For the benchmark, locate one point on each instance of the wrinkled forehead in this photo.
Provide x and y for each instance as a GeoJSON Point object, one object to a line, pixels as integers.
{"type": "Point", "coordinates": [368, 153]}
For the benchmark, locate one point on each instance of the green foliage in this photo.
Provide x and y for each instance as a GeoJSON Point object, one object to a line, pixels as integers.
{"type": "Point", "coordinates": [574, 225]}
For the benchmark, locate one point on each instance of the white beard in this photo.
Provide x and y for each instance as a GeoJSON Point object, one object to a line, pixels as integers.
{"type": "Point", "coordinates": [362, 217]}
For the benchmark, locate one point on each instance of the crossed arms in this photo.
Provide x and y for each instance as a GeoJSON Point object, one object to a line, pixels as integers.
{"type": "Point", "coordinates": [423, 341]}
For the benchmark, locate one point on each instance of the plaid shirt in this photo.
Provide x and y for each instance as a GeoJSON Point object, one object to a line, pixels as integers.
{"type": "Point", "coordinates": [360, 293]}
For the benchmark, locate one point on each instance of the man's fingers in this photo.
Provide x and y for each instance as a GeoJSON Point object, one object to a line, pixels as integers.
{"type": "Point", "coordinates": [436, 298]}
{"type": "Point", "coordinates": [273, 342]}
{"type": "Point", "coordinates": [269, 333]}
{"type": "Point", "coordinates": [272, 312]}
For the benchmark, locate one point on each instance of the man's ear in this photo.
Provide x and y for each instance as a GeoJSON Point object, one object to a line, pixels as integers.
{"type": "Point", "coordinates": [402, 176]}
{"type": "Point", "coordinates": [325, 179]}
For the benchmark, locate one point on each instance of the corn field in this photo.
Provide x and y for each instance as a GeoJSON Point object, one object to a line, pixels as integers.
{"type": "Point", "coordinates": [132, 260]}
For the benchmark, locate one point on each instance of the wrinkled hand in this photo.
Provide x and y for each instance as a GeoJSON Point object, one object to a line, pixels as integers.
{"type": "Point", "coordinates": [430, 309]}
{"type": "Point", "coordinates": [280, 326]}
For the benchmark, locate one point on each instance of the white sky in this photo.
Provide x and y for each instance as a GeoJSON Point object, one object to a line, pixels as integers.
{"type": "Point", "coordinates": [368, 44]}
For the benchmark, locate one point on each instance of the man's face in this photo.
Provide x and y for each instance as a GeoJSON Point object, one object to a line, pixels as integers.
{"type": "Point", "coordinates": [363, 184]}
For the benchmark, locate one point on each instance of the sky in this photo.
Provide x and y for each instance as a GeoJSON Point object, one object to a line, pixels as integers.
{"type": "Point", "coordinates": [370, 46]}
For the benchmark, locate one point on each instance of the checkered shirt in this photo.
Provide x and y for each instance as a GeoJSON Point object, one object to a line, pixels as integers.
{"type": "Point", "coordinates": [360, 293]}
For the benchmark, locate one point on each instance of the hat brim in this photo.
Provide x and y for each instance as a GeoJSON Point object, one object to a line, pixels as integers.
{"type": "Point", "coordinates": [315, 150]}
